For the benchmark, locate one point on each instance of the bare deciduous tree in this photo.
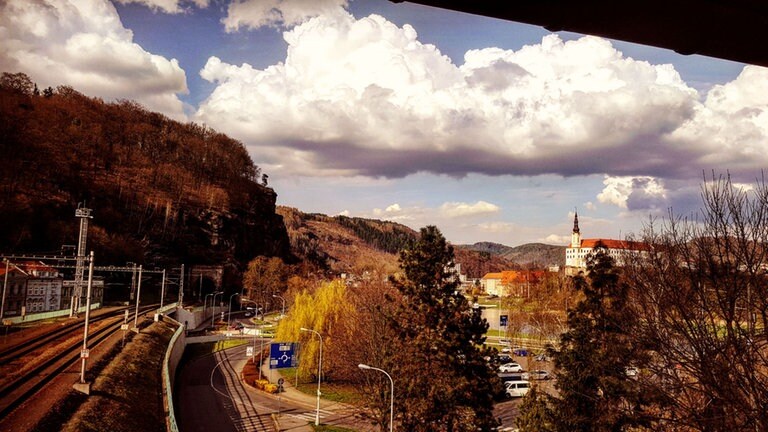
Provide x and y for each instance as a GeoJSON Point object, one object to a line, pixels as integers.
{"type": "Point", "coordinates": [702, 292]}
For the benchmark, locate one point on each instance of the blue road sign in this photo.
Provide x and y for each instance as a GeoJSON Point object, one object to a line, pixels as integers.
{"type": "Point", "coordinates": [282, 355]}
{"type": "Point", "coordinates": [502, 320]}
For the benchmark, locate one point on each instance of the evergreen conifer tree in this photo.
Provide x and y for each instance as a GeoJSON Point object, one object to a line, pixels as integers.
{"type": "Point", "coordinates": [534, 415]}
{"type": "Point", "coordinates": [444, 384]}
{"type": "Point", "coordinates": [595, 391]}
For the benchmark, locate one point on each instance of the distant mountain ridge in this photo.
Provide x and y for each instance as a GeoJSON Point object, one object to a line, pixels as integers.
{"type": "Point", "coordinates": [527, 255]}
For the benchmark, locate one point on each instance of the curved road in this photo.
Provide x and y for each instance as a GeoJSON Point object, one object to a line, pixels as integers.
{"type": "Point", "coordinates": [211, 397]}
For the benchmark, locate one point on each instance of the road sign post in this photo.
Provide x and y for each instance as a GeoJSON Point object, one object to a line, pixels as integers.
{"type": "Point", "coordinates": [282, 355]}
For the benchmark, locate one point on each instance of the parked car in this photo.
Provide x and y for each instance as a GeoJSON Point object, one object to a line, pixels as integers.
{"type": "Point", "coordinates": [521, 352]}
{"type": "Point", "coordinates": [506, 350]}
{"type": "Point", "coordinates": [537, 375]}
{"type": "Point", "coordinates": [505, 358]}
{"type": "Point", "coordinates": [542, 357]}
{"type": "Point", "coordinates": [517, 388]}
{"type": "Point", "coordinates": [510, 367]}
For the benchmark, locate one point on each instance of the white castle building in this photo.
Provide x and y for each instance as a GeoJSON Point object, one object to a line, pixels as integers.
{"type": "Point", "coordinates": [576, 255]}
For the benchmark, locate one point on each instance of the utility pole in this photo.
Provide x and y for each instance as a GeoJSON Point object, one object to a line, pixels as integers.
{"type": "Point", "coordinates": [5, 285]}
{"type": "Point", "coordinates": [162, 290]}
{"type": "Point", "coordinates": [83, 386]}
{"type": "Point", "coordinates": [181, 287]}
{"type": "Point", "coordinates": [138, 295]}
{"type": "Point", "coordinates": [77, 292]}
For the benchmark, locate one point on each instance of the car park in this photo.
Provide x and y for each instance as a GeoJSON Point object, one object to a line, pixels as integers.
{"type": "Point", "coordinates": [517, 388]}
{"type": "Point", "coordinates": [510, 367]}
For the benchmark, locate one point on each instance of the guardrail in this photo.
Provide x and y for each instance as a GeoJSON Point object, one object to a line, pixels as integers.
{"type": "Point", "coordinates": [172, 357]}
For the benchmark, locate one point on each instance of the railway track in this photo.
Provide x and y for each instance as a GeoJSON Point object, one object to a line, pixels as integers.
{"type": "Point", "coordinates": [16, 390]}
{"type": "Point", "coordinates": [10, 354]}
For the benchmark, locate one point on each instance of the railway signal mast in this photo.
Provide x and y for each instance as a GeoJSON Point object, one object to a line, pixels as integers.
{"type": "Point", "coordinates": [77, 292]}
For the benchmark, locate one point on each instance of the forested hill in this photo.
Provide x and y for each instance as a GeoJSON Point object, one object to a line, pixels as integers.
{"type": "Point", "coordinates": [345, 244]}
{"type": "Point", "coordinates": [162, 192]}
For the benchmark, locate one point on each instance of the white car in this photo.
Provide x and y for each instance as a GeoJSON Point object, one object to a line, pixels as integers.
{"type": "Point", "coordinates": [510, 368]}
{"type": "Point", "coordinates": [517, 388]}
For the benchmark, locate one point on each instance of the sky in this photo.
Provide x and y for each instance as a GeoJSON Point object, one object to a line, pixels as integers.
{"type": "Point", "coordinates": [489, 129]}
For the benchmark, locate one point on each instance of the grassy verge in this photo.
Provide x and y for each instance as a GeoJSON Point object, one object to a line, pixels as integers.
{"type": "Point", "coordinates": [332, 391]}
{"type": "Point", "coordinates": [126, 396]}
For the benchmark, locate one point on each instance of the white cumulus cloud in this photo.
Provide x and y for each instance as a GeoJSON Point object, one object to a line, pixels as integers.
{"type": "Point", "coordinates": [633, 192]}
{"type": "Point", "coordinates": [83, 44]}
{"type": "Point", "coordinates": [366, 97]}
{"type": "Point", "coordinates": [460, 209]}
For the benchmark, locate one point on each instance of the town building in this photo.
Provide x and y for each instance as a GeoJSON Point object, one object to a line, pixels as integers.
{"type": "Point", "coordinates": [511, 282]}
{"type": "Point", "coordinates": [31, 287]}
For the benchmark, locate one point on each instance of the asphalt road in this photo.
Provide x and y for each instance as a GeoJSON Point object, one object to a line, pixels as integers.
{"type": "Point", "coordinates": [211, 397]}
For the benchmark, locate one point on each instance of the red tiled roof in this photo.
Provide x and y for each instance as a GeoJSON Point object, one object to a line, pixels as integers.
{"type": "Point", "coordinates": [614, 244]}
{"type": "Point", "coordinates": [492, 276]}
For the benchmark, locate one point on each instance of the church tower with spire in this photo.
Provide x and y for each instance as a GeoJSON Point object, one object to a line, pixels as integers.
{"type": "Point", "coordinates": [576, 235]}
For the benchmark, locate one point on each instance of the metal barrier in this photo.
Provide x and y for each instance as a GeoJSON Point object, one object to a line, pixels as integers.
{"type": "Point", "coordinates": [172, 357]}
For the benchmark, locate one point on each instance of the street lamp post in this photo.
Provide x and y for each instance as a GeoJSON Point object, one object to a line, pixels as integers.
{"type": "Point", "coordinates": [281, 298]}
{"type": "Point", "coordinates": [391, 394]}
{"type": "Point", "coordinates": [229, 313]}
{"type": "Point", "coordinates": [319, 373]}
{"type": "Point", "coordinates": [213, 306]}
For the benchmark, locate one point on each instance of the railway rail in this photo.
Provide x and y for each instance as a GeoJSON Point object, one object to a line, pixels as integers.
{"type": "Point", "coordinates": [14, 352]}
{"type": "Point", "coordinates": [58, 357]}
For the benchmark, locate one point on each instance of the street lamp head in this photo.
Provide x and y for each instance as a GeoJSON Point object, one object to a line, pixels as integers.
{"type": "Point", "coordinates": [304, 329]}
{"type": "Point", "coordinates": [363, 366]}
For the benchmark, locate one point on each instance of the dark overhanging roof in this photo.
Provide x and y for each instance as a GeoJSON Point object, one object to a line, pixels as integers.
{"type": "Point", "coordinates": [727, 29]}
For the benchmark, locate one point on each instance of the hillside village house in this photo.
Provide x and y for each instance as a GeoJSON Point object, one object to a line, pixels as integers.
{"type": "Point", "coordinates": [576, 255]}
